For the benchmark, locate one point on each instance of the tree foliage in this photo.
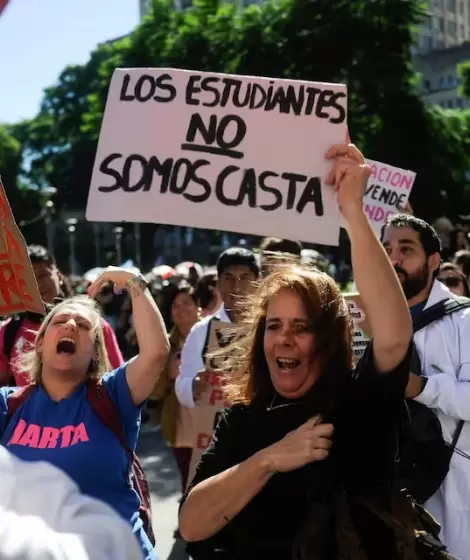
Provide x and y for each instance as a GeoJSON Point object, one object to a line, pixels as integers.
{"type": "Point", "coordinates": [365, 43]}
{"type": "Point", "coordinates": [10, 157]}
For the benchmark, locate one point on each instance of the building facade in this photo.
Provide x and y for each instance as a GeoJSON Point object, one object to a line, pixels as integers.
{"type": "Point", "coordinates": [439, 79]}
{"type": "Point", "coordinates": [442, 43]}
{"type": "Point", "coordinates": [447, 25]}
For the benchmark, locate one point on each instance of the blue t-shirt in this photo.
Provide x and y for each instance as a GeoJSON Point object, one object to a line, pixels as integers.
{"type": "Point", "coordinates": [69, 435]}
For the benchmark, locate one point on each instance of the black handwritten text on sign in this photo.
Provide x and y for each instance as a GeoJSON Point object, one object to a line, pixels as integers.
{"type": "Point", "coordinates": [216, 151]}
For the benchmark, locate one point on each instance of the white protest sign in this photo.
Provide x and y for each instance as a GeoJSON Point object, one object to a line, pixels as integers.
{"type": "Point", "coordinates": [219, 151]}
{"type": "Point", "coordinates": [362, 330]}
{"type": "Point", "coordinates": [387, 193]}
{"type": "Point", "coordinates": [212, 401]}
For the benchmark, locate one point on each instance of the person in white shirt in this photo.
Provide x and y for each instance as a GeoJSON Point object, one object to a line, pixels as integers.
{"type": "Point", "coordinates": [43, 516]}
{"type": "Point", "coordinates": [443, 348]}
{"type": "Point", "coordinates": [237, 272]}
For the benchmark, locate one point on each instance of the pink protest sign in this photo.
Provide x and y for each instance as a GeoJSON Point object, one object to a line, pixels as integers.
{"type": "Point", "coordinates": [387, 192]}
{"type": "Point", "coordinates": [219, 151]}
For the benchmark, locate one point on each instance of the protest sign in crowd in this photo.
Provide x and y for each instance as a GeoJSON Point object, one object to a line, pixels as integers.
{"type": "Point", "coordinates": [309, 416]}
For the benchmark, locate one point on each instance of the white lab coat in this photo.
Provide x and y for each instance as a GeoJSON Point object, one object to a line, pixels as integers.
{"type": "Point", "coordinates": [43, 516]}
{"type": "Point", "coordinates": [444, 351]}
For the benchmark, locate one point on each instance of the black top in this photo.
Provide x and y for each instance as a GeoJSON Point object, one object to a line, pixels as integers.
{"type": "Point", "coordinates": [366, 413]}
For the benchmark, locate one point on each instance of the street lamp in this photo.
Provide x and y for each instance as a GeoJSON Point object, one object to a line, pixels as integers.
{"type": "Point", "coordinates": [138, 256]}
{"type": "Point", "coordinates": [118, 244]}
{"type": "Point", "coordinates": [71, 223]}
{"type": "Point", "coordinates": [97, 235]}
{"type": "Point", "coordinates": [48, 205]}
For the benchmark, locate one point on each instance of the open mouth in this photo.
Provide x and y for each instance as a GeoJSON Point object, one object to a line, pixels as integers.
{"type": "Point", "coordinates": [66, 345]}
{"type": "Point", "coordinates": [287, 364]}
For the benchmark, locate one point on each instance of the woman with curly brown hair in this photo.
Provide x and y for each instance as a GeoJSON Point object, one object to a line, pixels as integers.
{"type": "Point", "coordinates": [302, 464]}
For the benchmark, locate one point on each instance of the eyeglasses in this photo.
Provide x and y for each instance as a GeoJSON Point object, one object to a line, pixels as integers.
{"type": "Point", "coordinates": [451, 281]}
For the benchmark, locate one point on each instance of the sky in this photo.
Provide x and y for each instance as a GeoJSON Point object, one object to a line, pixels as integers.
{"type": "Point", "coordinates": [38, 38]}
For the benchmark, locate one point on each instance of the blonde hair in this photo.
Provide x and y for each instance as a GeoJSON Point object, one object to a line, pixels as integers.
{"type": "Point", "coordinates": [31, 363]}
{"type": "Point", "coordinates": [330, 321]}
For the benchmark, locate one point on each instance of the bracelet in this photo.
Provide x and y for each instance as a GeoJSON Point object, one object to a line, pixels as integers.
{"type": "Point", "coordinates": [137, 281]}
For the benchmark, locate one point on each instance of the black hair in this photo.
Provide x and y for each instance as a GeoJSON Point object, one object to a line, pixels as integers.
{"type": "Point", "coordinates": [39, 254]}
{"type": "Point", "coordinates": [427, 234]}
{"type": "Point", "coordinates": [203, 293]}
{"type": "Point", "coordinates": [278, 245]}
{"type": "Point", "coordinates": [237, 256]}
{"type": "Point", "coordinates": [169, 294]}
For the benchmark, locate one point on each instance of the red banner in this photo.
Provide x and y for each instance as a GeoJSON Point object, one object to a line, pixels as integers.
{"type": "Point", "coordinates": [3, 5]}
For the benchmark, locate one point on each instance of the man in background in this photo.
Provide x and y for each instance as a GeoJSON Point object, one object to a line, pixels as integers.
{"type": "Point", "coordinates": [17, 334]}
{"type": "Point", "coordinates": [274, 251]}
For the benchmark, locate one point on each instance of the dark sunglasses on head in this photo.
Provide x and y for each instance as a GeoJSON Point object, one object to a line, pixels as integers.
{"type": "Point", "coordinates": [451, 281]}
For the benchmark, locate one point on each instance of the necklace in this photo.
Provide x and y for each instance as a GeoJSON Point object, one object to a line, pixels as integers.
{"type": "Point", "coordinates": [284, 405]}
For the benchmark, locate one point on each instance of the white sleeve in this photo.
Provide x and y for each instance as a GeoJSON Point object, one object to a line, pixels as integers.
{"type": "Point", "coordinates": [449, 391]}
{"type": "Point", "coordinates": [43, 516]}
{"type": "Point", "coordinates": [25, 537]}
{"type": "Point", "coordinates": [191, 363]}
{"type": "Point", "coordinates": [448, 394]}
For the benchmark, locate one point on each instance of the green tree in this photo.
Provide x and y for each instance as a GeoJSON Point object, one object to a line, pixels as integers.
{"type": "Point", "coordinates": [365, 43]}
{"type": "Point", "coordinates": [10, 157]}
{"type": "Point", "coordinates": [299, 39]}
{"type": "Point", "coordinates": [57, 151]}
{"type": "Point", "coordinates": [24, 202]}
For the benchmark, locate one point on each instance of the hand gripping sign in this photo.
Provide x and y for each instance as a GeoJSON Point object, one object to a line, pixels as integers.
{"type": "Point", "coordinates": [219, 151]}
{"type": "Point", "coordinates": [18, 288]}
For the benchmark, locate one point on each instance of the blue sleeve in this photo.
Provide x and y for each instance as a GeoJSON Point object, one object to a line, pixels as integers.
{"type": "Point", "coordinates": [116, 385]}
{"type": "Point", "coordinates": [4, 394]}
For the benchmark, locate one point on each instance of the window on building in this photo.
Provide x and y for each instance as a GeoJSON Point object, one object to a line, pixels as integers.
{"type": "Point", "coordinates": [427, 22]}
{"type": "Point", "coordinates": [442, 25]}
{"type": "Point", "coordinates": [425, 44]}
{"type": "Point", "coordinates": [440, 44]}
{"type": "Point", "coordinates": [427, 85]}
{"type": "Point", "coordinates": [461, 7]}
{"type": "Point", "coordinates": [450, 104]}
{"type": "Point", "coordinates": [451, 5]}
{"type": "Point", "coordinates": [442, 82]}
{"type": "Point", "coordinates": [459, 102]}
{"type": "Point", "coordinates": [452, 28]}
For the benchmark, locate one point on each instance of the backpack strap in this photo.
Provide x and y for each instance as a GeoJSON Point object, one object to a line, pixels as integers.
{"type": "Point", "coordinates": [104, 408]}
{"type": "Point", "coordinates": [432, 314]}
{"type": "Point", "coordinates": [439, 310]}
{"type": "Point", "coordinates": [428, 316]}
{"type": "Point", "coordinates": [206, 340]}
{"type": "Point", "coordinates": [16, 399]}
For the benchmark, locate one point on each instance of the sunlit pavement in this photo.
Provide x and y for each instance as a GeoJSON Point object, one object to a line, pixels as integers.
{"type": "Point", "coordinates": [164, 482]}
